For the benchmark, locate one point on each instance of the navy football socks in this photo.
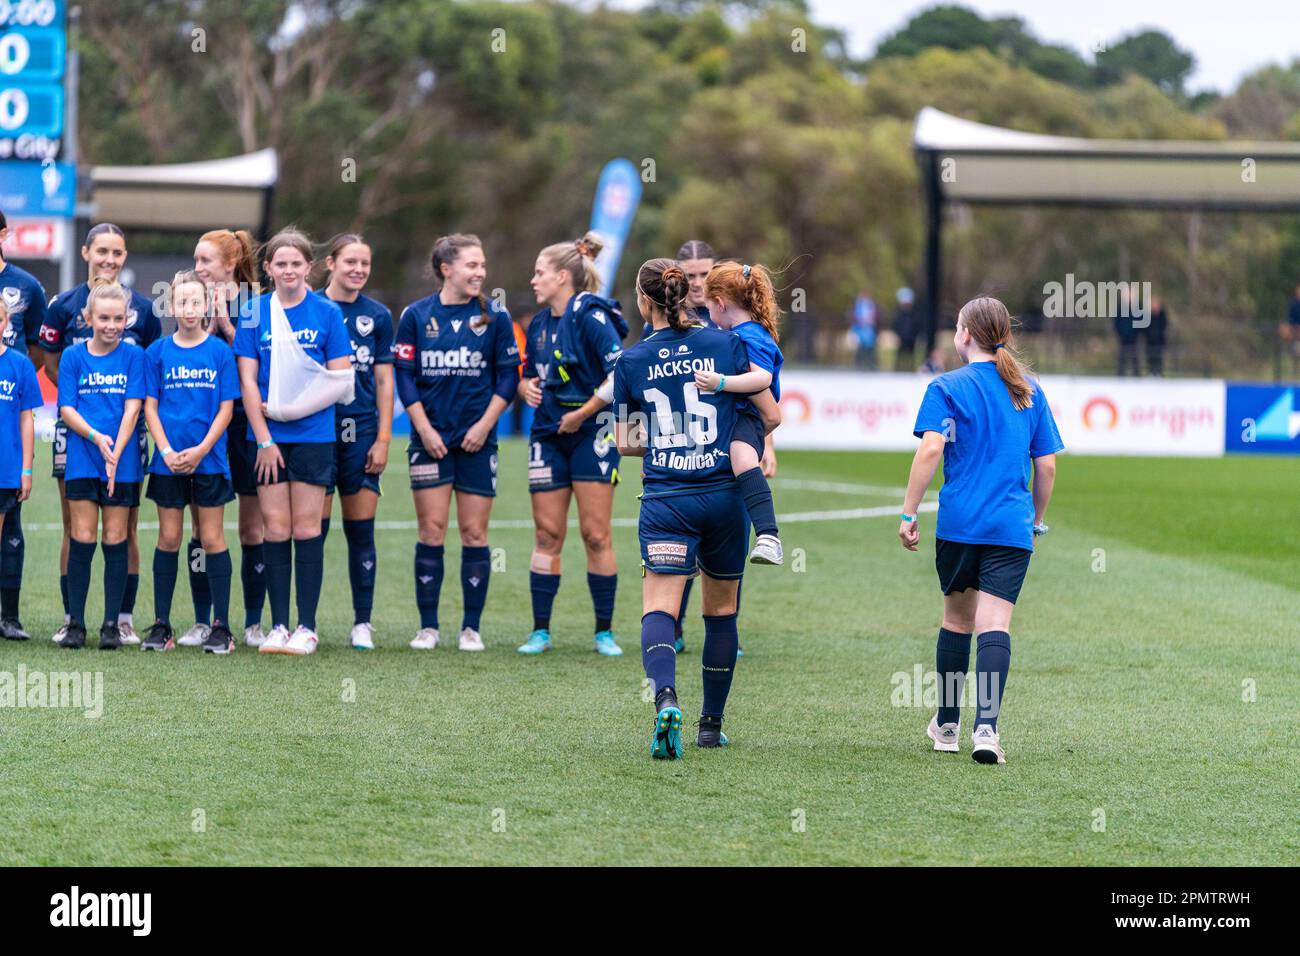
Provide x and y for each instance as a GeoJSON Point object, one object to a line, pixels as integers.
{"type": "Point", "coordinates": [199, 588]}
{"type": "Point", "coordinates": [115, 580]}
{"type": "Point", "coordinates": [758, 500]}
{"type": "Point", "coordinates": [80, 555]}
{"type": "Point", "coordinates": [252, 575]}
{"type": "Point", "coordinates": [165, 565]}
{"type": "Point", "coordinates": [658, 654]}
{"type": "Point", "coordinates": [218, 575]}
{"type": "Point", "coordinates": [428, 582]}
{"type": "Point", "coordinates": [362, 559]}
{"type": "Point", "coordinates": [309, 569]}
{"type": "Point", "coordinates": [603, 588]}
{"type": "Point", "coordinates": [475, 570]}
{"type": "Point", "coordinates": [543, 588]}
{"type": "Point", "coordinates": [279, 579]}
{"type": "Point", "coordinates": [718, 662]}
{"type": "Point", "coordinates": [951, 661]}
{"type": "Point", "coordinates": [992, 661]}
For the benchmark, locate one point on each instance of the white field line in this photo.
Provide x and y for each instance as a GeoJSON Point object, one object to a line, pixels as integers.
{"type": "Point", "coordinates": [796, 517]}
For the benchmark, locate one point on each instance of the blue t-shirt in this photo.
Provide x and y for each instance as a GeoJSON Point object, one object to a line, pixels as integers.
{"type": "Point", "coordinates": [688, 432]}
{"type": "Point", "coordinates": [457, 359]}
{"type": "Point", "coordinates": [98, 387]}
{"type": "Point", "coordinates": [25, 297]}
{"type": "Point", "coordinates": [370, 333]}
{"type": "Point", "coordinates": [19, 392]}
{"type": "Point", "coordinates": [763, 352]}
{"type": "Point", "coordinates": [572, 354]}
{"type": "Point", "coordinates": [65, 325]}
{"type": "Point", "coordinates": [190, 383]}
{"type": "Point", "coordinates": [987, 457]}
{"type": "Point", "coordinates": [318, 325]}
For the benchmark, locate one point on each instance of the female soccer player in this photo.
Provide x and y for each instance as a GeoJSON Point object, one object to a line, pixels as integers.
{"type": "Point", "coordinates": [191, 386]}
{"type": "Point", "coordinates": [741, 299]}
{"type": "Point", "coordinates": [363, 429]}
{"type": "Point", "coordinates": [100, 393]}
{"type": "Point", "coordinates": [987, 422]}
{"type": "Point", "coordinates": [692, 513]}
{"type": "Point", "coordinates": [573, 344]}
{"type": "Point", "coordinates": [19, 395]}
{"type": "Point", "coordinates": [295, 459]}
{"type": "Point", "coordinates": [457, 371]}
{"type": "Point", "coordinates": [24, 299]}
{"type": "Point", "coordinates": [104, 253]}
{"type": "Point", "coordinates": [225, 261]}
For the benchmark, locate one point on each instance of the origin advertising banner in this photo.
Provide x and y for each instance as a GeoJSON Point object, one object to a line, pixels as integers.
{"type": "Point", "coordinates": [1096, 416]}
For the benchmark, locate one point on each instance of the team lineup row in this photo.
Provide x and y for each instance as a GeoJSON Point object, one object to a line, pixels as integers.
{"type": "Point", "coordinates": [278, 400]}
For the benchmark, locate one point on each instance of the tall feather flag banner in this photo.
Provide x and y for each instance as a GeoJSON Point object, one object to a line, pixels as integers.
{"type": "Point", "coordinates": [618, 193]}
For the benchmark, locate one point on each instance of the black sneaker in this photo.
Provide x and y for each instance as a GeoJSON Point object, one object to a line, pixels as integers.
{"type": "Point", "coordinates": [11, 629]}
{"type": "Point", "coordinates": [220, 640]}
{"type": "Point", "coordinates": [74, 638]}
{"type": "Point", "coordinates": [159, 638]}
{"type": "Point", "coordinates": [710, 733]}
{"type": "Point", "coordinates": [109, 638]}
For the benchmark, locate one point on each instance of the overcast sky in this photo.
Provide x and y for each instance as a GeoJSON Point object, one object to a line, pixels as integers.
{"type": "Point", "coordinates": [1229, 39]}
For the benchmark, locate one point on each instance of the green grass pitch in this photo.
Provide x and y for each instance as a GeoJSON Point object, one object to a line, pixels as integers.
{"type": "Point", "coordinates": [1150, 714]}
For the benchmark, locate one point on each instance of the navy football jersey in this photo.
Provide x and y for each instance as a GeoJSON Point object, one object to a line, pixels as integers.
{"type": "Point", "coordinates": [572, 355]}
{"type": "Point", "coordinates": [698, 314]}
{"type": "Point", "coordinates": [65, 325]}
{"type": "Point", "coordinates": [688, 431]}
{"type": "Point", "coordinates": [457, 358]}
{"type": "Point", "coordinates": [25, 300]}
{"type": "Point", "coordinates": [370, 330]}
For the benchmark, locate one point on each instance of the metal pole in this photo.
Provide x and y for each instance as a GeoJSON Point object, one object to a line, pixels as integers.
{"type": "Point", "coordinates": [933, 247]}
{"type": "Point", "coordinates": [68, 266]}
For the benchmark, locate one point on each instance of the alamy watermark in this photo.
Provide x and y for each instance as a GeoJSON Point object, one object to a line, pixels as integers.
{"type": "Point", "coordinates": [77, 690]}
{"type": "Point", "coordinates": [1082, 299]}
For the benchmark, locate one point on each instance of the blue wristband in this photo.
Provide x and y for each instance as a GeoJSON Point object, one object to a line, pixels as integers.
{"type": "Point", "coordinates": [27, 472]}
{"type": "Point", "coordinates": [908, 518]}
{"type": "Point", "coordinates": [722, 383]}
{"type": "Point", "coordinates": [266, 444]}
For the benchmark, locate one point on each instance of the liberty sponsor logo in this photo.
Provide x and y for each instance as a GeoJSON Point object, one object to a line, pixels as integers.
{"type": "Point", "coordinates": [7, 388]}
{"type": "Point", "coordinates": [187, 374]}
{"type": "Point", "coordinates": [666, 552]}
{"type": "Point", "coordinates": [103, 380]}
{"type": "Point", "coordinates": [75, 908]}
{"type": "Point", "coordinates": [464, 359]}
{"type": "Point", "coordinates": [305, 337]}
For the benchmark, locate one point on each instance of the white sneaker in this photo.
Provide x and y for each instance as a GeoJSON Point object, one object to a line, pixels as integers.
{"type": "Point", "coordinates": [945, 736]}
{"type": "Point", "coordinates": [275, 641]}
{"type": "Point", "coordinates": [61, 633]}
{"type": "Point", "coordinates": [195, 636]}
{"type": "Point", "coordinates": [471, 640]}
{"type": "Point", "coordinates": [363, 637]}
{"type": "Point", "coordinates": [426, 640]}
{"type": "Point", "coordinates": [126, 633]}
{"type": "Point", "coordinates": [767, 550]}
{"type": "Point", "coordinates": [303, 642]}
{"type": "Point", "coordinates": [254, 636]}
{"type": "Point", "coordinates": [987, 746]}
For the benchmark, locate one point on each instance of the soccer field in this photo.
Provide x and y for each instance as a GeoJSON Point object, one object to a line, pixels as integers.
{"type": "Point", "coordinates": [1150, 715]}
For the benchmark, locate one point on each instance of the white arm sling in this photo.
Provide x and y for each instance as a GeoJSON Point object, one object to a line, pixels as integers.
{"type": "Point", "coordinates": [298, 386]}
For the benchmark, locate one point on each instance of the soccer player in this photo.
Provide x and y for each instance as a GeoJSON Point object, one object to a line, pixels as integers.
{"type": "Point", "coordinates": [988, 422]}
{"type": "Point", "coordinates": [19, 395]}
{"type": "Point", "coordinates": [24, 299]}
{"type": "Point", "coordinates": [101, 389]}
{"type": "Point", "coordinates": [191, 386]}
{"type": "Point", "coordinates": [225, 261]}
{"type": "Point", "coordinates": [363, 429]}
{"type": "Point", "coordinates": [568, 377]}
{"type": "Point", "coordinates": [692, 513]}
{"type": "Point", "coordinates": [457, 371]}
{"type": "Point", "coordinates": [104, 253]}
{"type": "Point", "coordinates": [295, 459]}
{"type": "Point", "coordinates": [742, 300]}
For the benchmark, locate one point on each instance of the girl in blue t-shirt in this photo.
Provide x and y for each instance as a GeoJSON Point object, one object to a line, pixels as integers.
{"type": "Point", "coordinates": [101, 389]}
{"type": "Point", "coordinates": [191, 388]}
{"type": "Point", "coordinates": [988, 422]}
{"type": "Point", "coordinates": [364, 428]}
{"type": "Point", "coordinates": [742, 299]}
{"type": "Point", "coordinates": [19, 395]}
{"type": "Point", "coordinates": [295, 459]}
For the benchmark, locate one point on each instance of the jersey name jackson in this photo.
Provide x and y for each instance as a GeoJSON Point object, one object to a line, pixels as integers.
{"type": "Point", "coordinates": [682, 439]}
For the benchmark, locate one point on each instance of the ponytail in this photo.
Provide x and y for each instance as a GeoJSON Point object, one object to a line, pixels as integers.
{"type": "Point", "coordinates": [989, 324]}
{"type": "Point", "coordinates": [663, 282]}
{"type": "Point", "coordinates": [578, 258]}
{"type": "Point", "coordinates": [749, 287]}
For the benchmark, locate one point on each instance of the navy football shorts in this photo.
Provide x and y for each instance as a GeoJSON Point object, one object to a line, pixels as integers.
{"type": "Point", "coordinates": [708, 530]}
{"type": "Point", "coordinates": [557, 461]}
{"type": "Point", "coordinates": [473, 472]}
{"type": "Point", "coordinates": [352, 440]}
{"type": "Point", "coordinates": [995, 569]}
{"type": "Point", "coordinates": [179, 491]}
{"type": "Point", "coordinates": [308, 462]}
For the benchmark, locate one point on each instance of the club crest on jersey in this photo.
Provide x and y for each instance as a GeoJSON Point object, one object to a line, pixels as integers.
{"type": "Point", "coordinates": [365, 325]}
{"type": "Point", "coordinates": [601, 447]}
{"type": "Point", "coordinates": [131, 316]}
{"type": "Point", "coordinates": [11, 296]}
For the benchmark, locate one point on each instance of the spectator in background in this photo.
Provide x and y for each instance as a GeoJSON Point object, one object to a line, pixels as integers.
{"type": "Point", "coordinates": [1127, 335]}
{"type": "Point", "coordinates": [1154, 334]}
{"type": "Point", "coordinates": [933, 365]}
{"type": "Point", "coordinates": [905, 327]}
{"type": "Point", "coordinates": [863, 317]}
{"type": "Point", "coordinates": [1289, 332]}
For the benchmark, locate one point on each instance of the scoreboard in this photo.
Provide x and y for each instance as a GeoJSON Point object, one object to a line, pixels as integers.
{"type": "Point", "coordinates": [33, 55]}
